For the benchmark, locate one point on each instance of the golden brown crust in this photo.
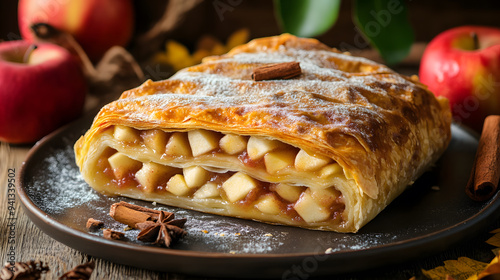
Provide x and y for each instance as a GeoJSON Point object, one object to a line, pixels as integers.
{"type": "Point", "coordinates": [381, 127]}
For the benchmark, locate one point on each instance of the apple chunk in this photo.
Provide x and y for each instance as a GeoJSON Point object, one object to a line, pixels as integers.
{"type": "Point", "coordinates": [268, 204]}
{"type": "Point", "coordinates": [177, 185]}
{"type": "Point", "coordinates": [288, 192]}
{"type": "Point", "coordinates": [178, 145]}
{"type": "Point", "coordinates": [325, 197]}
{"type": "Point", "coordinates": [238, 186]}
{"type": "Point", "coordinates": [310, 162]}
{"type": "Point", "coordinates": [126, 134]}
{"type": "Point", "coordinates": [310, 210]}
{"type": "Point", "coordinates": [279, 160]}
{"type": "Point", "coordinates": [209, 190]}
{"type": "Point", "coordinates": [257, 146]}
{"type": "Point", "coordinates": [123, 165]}
{"type": "Point", "coordinates": [151, 175]}
{"type": "Point", "coordinates": [233, 144]}
{"type": "Point", "coordinates": [156, 140]}
{"type": "Point", "coordinates": [330, 170]}
{"type": "Point", "coordinates": [195, 176]}
{"type": "Point", "coordinates": [203, 141]}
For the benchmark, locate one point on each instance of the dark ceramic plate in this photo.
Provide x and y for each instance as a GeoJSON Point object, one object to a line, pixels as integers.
{"type": "Point", "coordinates": [429, 217]}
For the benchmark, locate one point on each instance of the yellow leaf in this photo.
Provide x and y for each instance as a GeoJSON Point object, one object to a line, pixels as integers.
{"type": "Point", "coordinates": [495, 231]}
{"type": "Point", "coordinates": [491, 269]}
{"type": "Point", "coordinates": [200, 54]}
{"type": "Point", "coordinates": [496, 251]}
{"type": "Point", "coordinates": [460, 269]}
{"type": "Point", "coordinates": [494, 240]}
{"type": "Point", "coordinates": [175, 49]}
{"type": "Point", "coordinates": [218, 50]}
{"type": "Point", "coordinates": [237, 38]}
{"type": "Point", "coordinates": [179, 57]}
{"type": "Point", "coordinates": [208, 43]}
{"type": "Point", "coordinates": [161, 58]}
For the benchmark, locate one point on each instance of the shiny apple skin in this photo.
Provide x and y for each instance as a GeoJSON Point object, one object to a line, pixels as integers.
{"type": "Point", "coordinates": [36, 99]}
{"type": "Point", "coordinates": [468, 77]}
{"type": "Point", "coordinates": [96, 24]}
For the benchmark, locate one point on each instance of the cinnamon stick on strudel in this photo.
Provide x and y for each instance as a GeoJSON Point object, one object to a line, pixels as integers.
{"type": "Point", "coordinates": [326, 149]}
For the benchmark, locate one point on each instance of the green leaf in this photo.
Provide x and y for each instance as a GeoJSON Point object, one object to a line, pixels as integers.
{"type": "Point", "coordinates": [306, 18]}
{"type": "Point", "coordinates": [385, 24]}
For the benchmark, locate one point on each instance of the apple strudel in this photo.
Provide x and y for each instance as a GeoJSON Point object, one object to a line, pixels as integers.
{"type": "Point", "coordinates": [327, 149]}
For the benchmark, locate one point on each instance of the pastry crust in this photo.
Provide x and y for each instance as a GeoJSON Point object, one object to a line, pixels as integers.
{"type": "Point", "coordinates": [382, 128]}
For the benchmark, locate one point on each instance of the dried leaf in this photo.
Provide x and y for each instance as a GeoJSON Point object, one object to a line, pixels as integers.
{"type": "Point", "coordinates": [79, 272]}
{"type": "Point", "coordinates": [496, 251]}
{"type": "Point", "coordinates": [495, 239]}
{"type": "Point", "coordinates": [460, 269]}
{"type": "Point", "coordinates": [23, 270]}
{"type": "Point", "coordinates": [493, 268]}
{"type": "Point", "coordinates": [209, 43]}
{"type": "Point", "coordinates": [473, 277]}
{"type": "Point", "coordinates": [178, 56]}
{"type": "Point", "coordinates": [238, 38]}
{"type": "Point", "coordinates": [495, 231]}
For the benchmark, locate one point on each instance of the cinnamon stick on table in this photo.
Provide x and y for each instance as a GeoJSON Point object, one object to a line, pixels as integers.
{"type": "Point", "coordinates": [285, 70]}
{"type": "Point", "coordinates": [485, 175]}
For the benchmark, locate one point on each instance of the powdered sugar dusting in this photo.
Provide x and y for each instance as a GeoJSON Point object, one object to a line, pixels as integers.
{"type": "Point", "coordinates": [230, 235]}
{"type": "Point", "coordinates": [63, 183]}
{"type": "Point", "coordinates": [334, 87]}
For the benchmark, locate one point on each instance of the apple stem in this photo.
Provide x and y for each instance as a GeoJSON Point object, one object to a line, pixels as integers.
{"type": "Point", "coordinates": [475, 40]}
{"type": "Point", "coordinates": [28, 52]}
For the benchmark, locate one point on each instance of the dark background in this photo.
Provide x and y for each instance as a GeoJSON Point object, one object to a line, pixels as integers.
{"type": "Point", "coordinates": [428, 17]}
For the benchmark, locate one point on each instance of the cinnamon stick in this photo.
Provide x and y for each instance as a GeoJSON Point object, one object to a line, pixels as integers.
{"type": "Point", "coordinates": [284, 70]}
{"type": "Point", "coordinates": [485, 175]}
{"type": "Point", "coordinates": [131, 214]}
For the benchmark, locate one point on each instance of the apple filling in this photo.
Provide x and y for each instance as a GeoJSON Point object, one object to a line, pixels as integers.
{"type": "Point", "coordinates": [213, 168]}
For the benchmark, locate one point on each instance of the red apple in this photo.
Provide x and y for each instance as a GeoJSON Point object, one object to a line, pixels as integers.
{"type": "Point", "coordinates": [40, 90]}
{"type": "Point", "coordinates": [96, 24]}
{"type": "Point", "coordinates": [463, 64]}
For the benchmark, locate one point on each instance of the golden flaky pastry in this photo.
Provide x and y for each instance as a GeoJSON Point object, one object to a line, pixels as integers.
{"type": "Point", "coordinates": [328, 149]}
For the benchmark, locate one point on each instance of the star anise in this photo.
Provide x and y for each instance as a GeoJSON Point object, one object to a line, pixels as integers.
{"type": "Point", "coordinates": [23, 270]}
{"type": "Point", "coordinates": [163, 231]}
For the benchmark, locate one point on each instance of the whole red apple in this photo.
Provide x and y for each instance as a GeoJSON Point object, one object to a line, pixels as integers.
{"type": "Point", "coordinates": [96, 24]}
{"type": "Point", "coordinates": [463, 64]}
{"type": "Point", "coordinates": [41, 90]}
